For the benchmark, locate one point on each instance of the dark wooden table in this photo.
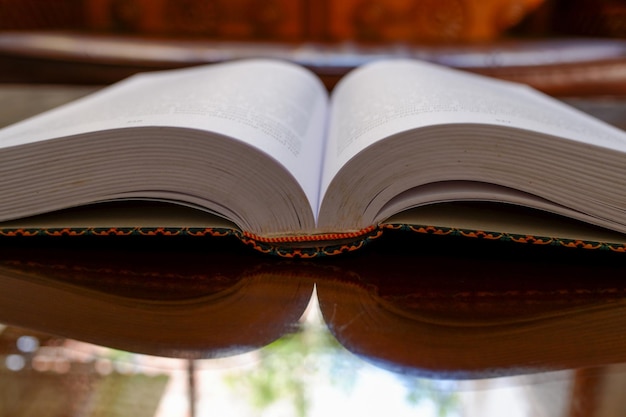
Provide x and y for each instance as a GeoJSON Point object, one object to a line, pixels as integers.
{"type": "Point", "coordinates": [458, 320]}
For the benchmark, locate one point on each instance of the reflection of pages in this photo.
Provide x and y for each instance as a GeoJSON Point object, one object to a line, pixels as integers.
{"type": "Point", "coordinates": [260, 144]}
{"type": "Point", "coordinates": [477, 314]}
{"type": "Point", "coordinates": [183, 303]}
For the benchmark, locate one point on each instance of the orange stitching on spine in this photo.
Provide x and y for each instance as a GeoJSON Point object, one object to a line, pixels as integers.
{"type": "Point", "coordinates": [310, 238]}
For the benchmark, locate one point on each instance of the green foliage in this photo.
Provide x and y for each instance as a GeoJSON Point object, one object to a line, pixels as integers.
{"type": "Point", "coordinates": [289, 367]}
{"type": "Point", "coordinates": [291, 364]}
{"type": "Point", "coordinates": [445, 399]}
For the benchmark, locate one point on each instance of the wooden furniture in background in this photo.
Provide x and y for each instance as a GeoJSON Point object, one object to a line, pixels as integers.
{"type": "Point", "coordinates": [289, 21]}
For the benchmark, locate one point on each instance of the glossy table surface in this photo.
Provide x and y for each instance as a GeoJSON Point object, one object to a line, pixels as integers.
{"type": "Point", "coordinates": [410, 325]}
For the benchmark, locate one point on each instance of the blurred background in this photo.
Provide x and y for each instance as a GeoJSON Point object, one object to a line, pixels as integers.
{"type": "Point", "coordinates": [382, 21]}
{"type": "Point", "coordinates": [102, 41]}
{"type": "Point", "coordinates": [566, 48]}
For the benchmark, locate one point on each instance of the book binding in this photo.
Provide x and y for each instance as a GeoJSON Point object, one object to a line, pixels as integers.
{"type": "Point", "coordinates": [311, 246]}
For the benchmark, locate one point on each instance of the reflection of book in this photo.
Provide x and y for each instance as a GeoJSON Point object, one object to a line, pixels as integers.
{"type": "Point", "coordinates": [480, 315]}
{"type": "Point", "coordinates": [490, 309]}
{"type": "Point", "coordinates": [173, 304]}
{"type": "Point", "coordinates": [261, 151]}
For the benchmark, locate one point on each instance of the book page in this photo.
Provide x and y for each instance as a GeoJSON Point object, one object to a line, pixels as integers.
{"type": "Point", "coordinates": [390, 97]}
{"type": "Point", "coordinates": [276, 107]}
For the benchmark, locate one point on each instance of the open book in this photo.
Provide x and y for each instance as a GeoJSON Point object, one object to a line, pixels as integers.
{"type": "Point", "coordinates": [257, 147]}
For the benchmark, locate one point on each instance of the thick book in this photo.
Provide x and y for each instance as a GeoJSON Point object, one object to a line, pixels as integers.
{"type": "Point", "coordinates": [260, 150]}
